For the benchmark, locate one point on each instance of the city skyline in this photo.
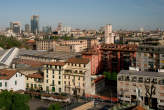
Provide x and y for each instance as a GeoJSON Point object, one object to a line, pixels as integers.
{"type": "Point", "coordinates": [127, 14]}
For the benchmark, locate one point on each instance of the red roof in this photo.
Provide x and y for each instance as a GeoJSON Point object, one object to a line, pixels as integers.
{"type": "Point", "coordinates": [6, 74]}
{"type": "Point", "coordinates": [31, 41]}
{"type": "Point", "coordinates": [55, 63]}
{"type": "Point", "coordinates": [78, 60]}
{"type": "Point", "coordinates": [35, 75]}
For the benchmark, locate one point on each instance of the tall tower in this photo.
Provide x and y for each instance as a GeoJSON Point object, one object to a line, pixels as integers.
{"type": "Point", "coordinates": [35, 24]}
{"type": "Point", "coordinates": [15, 27]}
{"type": "Point", "coordinates": [108, 34]}
{"type": "Point", "coordinates": [27, 28]}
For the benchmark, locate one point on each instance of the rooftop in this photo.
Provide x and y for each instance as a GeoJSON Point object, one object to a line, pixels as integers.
{"type": "Point", "coordinates": [6, 74]}
{"type": "Point", "coordinates": [35, 75]}
{"type": "Point", "coordinates": [78, 60]}
{"type": "Point", "coordinates": [141, 73]}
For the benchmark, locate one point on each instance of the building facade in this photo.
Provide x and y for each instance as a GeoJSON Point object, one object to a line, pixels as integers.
{"type": "Point", "coordinates": [133, 86]}
{"type": "Point", "coordinates": [11, 80]}
{"type": "Point", "coordinates": [35, 24]}
{"type": "Point", "coordinates": [109, 39]}
{"type": "Point", "coordinates": [77, 76]}
{"type": "Point", "coordinates": [53, 77]}
{"type": "Point", "coordinates": [116, 57]}
{"type": "Point", "coordinates": [45, 45]}
{"type": "Point", "coordinates": [150, 58]}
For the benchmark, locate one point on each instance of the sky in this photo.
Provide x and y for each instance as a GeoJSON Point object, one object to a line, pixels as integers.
{"type": "Point", "coordinates": [91, 14]}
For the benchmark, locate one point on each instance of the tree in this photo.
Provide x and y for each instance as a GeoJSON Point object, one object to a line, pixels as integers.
{"type": "Point", "coordinates": [13, 101]}
{"type": "Point", "coordinates": [55, 106]}
{"type": "Point", "coordinates": [150, 91]}
{"type": "Point", "coordinates": [107, 75]}
{"type": "Point", "coordinates": [110, 76]}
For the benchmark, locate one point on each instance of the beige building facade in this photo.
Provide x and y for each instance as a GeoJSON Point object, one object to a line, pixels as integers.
{"type": "Point", "coordinates": [133, 86]}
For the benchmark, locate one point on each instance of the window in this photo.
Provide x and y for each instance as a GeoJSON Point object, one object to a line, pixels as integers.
{"type": "Point", "coordinates": [31, 85]}
{"type": "Point", "coordinates": [52, 76]}
{"type": "Point", "coordinates": [134, 79]}
{"type": "Point", "coordinates": [59, 77]}
{"type": "Point", "coordinates": [47, 88]}
{"type": "Point", "coordinates": [0, 84]}
{"type": "Point", "coordinates": [47, 81]}
{"type": "Point", "coordinates": [53, 71]}
{"type": "Point", "coordinates": [59, 72]}
{"type": "Point", "coordinates": [59, 82]}
{"type": "Point", "coordinates": [15, 82]}
{"type": "Point", "coordinates": [16, 75]}
{"type": "Point", "coordinates": [47, 70]}
{"type": "Point", "coordinates": [127, 78]}
{"type": "Point", "coordinates": [64, 82]}
{"type": "Point", "coordinates": [79, 78]}
{"type": "Point", "coordinates": [34, 85]}
{"type": "Point", "coordinates": [59, 89]}
{"type": "Point", "coordinates": [147, 80]}
{"type": "Point", "coordinates": [140, 79]}
{"type": "Point", "coordinates": [27, 85]}
{"type": "Point", "coordinates": [27, 78]}
{"type": "Point", "coordinates": [53, 82]}
{"type": "Point", "coordinates": [47, 75]}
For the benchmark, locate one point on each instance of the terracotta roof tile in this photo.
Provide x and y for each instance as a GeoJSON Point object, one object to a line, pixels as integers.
{"type": "Point", "coordinates": [78, 60]}
{"type": "Point", "coordinates": [35, 75]}
{"type": "Point", "coordinates": [6, 74]}
{"type": "Point", "coordinates": [55, 63]}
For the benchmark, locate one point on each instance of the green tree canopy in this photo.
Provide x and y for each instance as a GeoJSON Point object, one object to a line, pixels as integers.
{"type": "Point", "coordinates": [13, 101]}
{"type": "Point", "coordinates": [110, 76]}
{"type": "Point", "coordinates": [9, 42]}
{"type": "Point", "coordinates": [55, 106]}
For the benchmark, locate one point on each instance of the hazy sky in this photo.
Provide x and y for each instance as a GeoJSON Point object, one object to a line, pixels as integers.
{"type": "Point", "coordinates": [122, 14]}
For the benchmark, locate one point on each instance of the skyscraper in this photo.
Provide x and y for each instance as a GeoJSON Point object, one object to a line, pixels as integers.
{"type": "Point", "coordinates": [35, 24]}
{"type": "Point", "coordinates": [47, 29]}
{"type": "Point", "coordinates": [108, 34]}
{"type": "Point", "coordinates": [27, 28]}
{"type": "Point", "coordinates": [15, 27]}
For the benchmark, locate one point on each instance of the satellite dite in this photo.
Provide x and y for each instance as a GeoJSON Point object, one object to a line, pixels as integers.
{"type": "Point", "coordinates": [8, 56]}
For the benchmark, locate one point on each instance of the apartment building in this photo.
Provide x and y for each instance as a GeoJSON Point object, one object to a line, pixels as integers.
{"type": "Point", "coordinates": [82, 43]}
{"type": "Point", "coordinates": [133, 86]}
{"type": "Point", "coordinates": [116, 57]}
{"type": "Point", "coordinates": [77, 76]}
{"type": "Point", "coordinates": [94, 55]}
{"type": "Point", "coordinates": [11, 80]}
{"type": "Point", "coordinates": [53, 77]}
{"type": "Point", "coordinates": [34, 81]}
{"type": "Point", "coordinates": [150, 58]}
{"type": "Point", "coordinates": [45, 45]}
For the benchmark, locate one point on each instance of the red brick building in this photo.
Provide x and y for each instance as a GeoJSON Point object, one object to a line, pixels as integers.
{"type": "Point", "coordinates": [116, 57]}
{"type": "Point", "coordinates": [94, 55]}
{"type": "Point", "coordinates": [111, 57]}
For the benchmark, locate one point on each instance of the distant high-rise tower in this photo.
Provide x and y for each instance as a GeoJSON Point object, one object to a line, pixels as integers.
{"type": "Point", "coordinates": [108, 34]}
{"type": "Point", "coordinates": [35, 24]}
{"type": "Point", "coordinates": [27, 28]}
{"type": "Point", "coordinates": [15, 27]}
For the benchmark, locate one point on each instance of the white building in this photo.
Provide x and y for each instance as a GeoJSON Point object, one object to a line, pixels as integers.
{"type": "Point", "coordinates": [11, 80]}
{"type": "Point", "coordinates": [109, 38]}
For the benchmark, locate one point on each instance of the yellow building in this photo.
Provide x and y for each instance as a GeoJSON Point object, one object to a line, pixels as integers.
{"type": "Point", "coordinates": [77, 76]}
{"type": "Point", "coordinates": [53, 77]}
{"type": "Point", "coordinates": [34, 81]}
